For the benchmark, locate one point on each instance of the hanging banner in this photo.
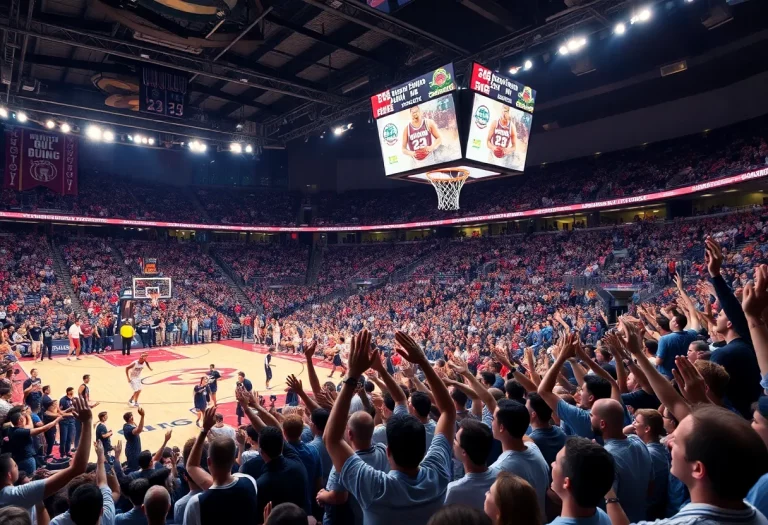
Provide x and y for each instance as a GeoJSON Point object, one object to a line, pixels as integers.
{"type": "Point", "coordinates": [162, 92]}
{"type": "Point", "coordinates": [40, 158]}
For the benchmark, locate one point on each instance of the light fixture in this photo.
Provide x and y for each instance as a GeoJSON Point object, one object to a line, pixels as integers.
{"type": "Point", "coordinates": [203, 147]}
{"type": "Point", "coordinates": [65, 128]}
{"type": "Point", "coordinates": [107, 136]}
{"type": "Point", "coordinates": [514, 70]}
{"type": "Point", "coordinates": [130, 138]}
{"type": "Point", "coordinates": [338, 130]}
{"type": "Point", "coordinates": [50, 124]}
{"type": "Point", "coordinates": [527, 65]}
{"type": "Point", "coordinates": [93, 132]}
{"type": "Point", "coordinates": [248, 148]}
{"type": "Point", "coordinates": [21, 116]}
{"type": "Point", "coordinates": [620, 28]}
{"type": "Point", "coordinates": [563, 50]}
{"type": "Point", "coordinates": [642, 16]}
{"type": "Point", "coordinates": [3, 113]}
{"type": "Point", "coordinates": [574, 44]}
{"type": "Point", "coordinates": [197, 146]}
{"type": "Point", "coordinates": [236, 147]}
{"type": "Point", "coordinates": [151, 141]}
{"type": "Point", "coordinates": [144, 140]}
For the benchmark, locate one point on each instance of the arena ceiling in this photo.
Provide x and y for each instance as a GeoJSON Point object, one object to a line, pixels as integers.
{"type": "Point", "coordinates": [290, 68]}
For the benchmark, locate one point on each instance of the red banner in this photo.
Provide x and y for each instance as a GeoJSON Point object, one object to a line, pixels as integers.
{"type": "Point", "coordinates": [40, 158]}
{"type": "Point", "coordinates": [613, 203]}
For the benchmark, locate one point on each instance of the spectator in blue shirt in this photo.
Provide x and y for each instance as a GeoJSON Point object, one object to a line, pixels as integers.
{"type": "Point", "coordinates": [582, 475]}
{"type": "Point", "coordinates": [548, 437]}
{"type": "Point", "coordinates": [472, 446]}
{"type": "Point", "coordinates": [673, 342]}
{"type": "Point", "coordinates": [649, 426]}
{"type": "Point", "coordinates": [415, 487]}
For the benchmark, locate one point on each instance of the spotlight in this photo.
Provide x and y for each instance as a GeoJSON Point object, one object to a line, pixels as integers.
{"type": "Point", "coordinates": [527, 65]}
{"type": "Point", "coordinates": [514, 70]}
{"type": "Point", "coordinates": [130, 138]}
{"type": "Point", "coordinates": [202, 148]}
{"type": "Point", "coordinates": [50, 124]}
{"type": "Point", "coordinates": [620, 28]}
{"type": "Point", "coordinates": [563, 50]}
{"type": "Point", "coordinates": [3, 113]}
{"type": "Point", "coordinates": [197, 146]}
{"type": "Point", "coordinates": [93, 132]}
{"type": "Point", "coordinates": [248, 148]}
{"type": "Point", "coordinates": [107, 136]}
{"type": "Point", "coordinates": [21, 116]}
{"type": "Point", "coordinates": [144, 140]}
{"type": "Point", "coordinates": [151, 141]}
{"type": "Point", "coordinates": [642, 16]}
{"type": "Point", "coordinates": [338, 131]}
{"type": "Point", "coordinates": [65, 128]}
{"type": "Point", "coordinates": [236, 147]}
{"type": "Point", "coordinates": [574, 44]}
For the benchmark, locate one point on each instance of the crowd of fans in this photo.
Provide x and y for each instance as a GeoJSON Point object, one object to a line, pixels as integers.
{"type": "Point", "coordinates": [342, 263]}
{"type": "Point", "coordinates": [259, 263]}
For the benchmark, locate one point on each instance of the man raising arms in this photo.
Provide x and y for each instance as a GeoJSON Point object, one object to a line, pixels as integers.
{"type": "Point", "coordinates": [415, 487]}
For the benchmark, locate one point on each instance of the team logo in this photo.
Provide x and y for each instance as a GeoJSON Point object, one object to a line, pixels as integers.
{"type": "Point", "coordinates": [525, 99]}
{"type": "Point", "coordinates": [43, 171]}
{"type": "Point", "coordinates": [389, 134]}
{"type": "Point", "coordinates": [482, 116]}
{"type": "Point", "coordinates": [186, 376]}
{"type": "Point", "coordinates": [441, 80]}
{"type": "Point", "coordinates": [393, 159]}
{"type": "Point", "coordinates": [477, 143]}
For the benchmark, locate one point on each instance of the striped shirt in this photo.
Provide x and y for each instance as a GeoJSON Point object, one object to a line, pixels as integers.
{"type": "Point", "coordinates": [703, 514]}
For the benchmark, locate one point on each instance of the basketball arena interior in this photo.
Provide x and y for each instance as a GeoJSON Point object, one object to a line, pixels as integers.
{"type": "Point", "coordinates": [207, 197]}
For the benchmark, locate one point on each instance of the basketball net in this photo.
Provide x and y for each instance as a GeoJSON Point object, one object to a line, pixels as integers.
{"type": "Point", "coordinates": [154, 298]}
{"type": "Point", "coordinates": [448, 183]}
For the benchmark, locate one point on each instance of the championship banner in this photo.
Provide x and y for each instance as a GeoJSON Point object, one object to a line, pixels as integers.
{"type": "Point", "coordinates": [40, 158]}
{"type": "Point", "coordinates": [422, 89]}
{"type": "Point", "coordinates": [503, 89]}
{"type": "Point", "coordinates": [162, 92]}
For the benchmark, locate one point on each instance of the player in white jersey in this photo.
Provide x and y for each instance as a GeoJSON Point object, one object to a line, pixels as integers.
{"type": "Point", "coordinates": [133, 374]}
{"type": "Point", "coordinates": [420, 139]}
{"type": "Point", "coordinates": [502, 139]}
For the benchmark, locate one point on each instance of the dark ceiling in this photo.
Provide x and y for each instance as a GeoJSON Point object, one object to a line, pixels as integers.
{"type": "Point", "coordinates": [293, 68]}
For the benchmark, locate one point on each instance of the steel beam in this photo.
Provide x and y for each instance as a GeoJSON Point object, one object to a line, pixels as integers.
{"type": "Point", "coordinates": [177, 61]}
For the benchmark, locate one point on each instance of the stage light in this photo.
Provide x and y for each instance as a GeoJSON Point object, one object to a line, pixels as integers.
{"type": "Point", "coordinates": [574, 44]}
{"type": "Point", "coordinates": [563, 50]}
{"type": "Point", "coordinates": [527, 65]}
{"type": "Point", "coordinates": [203, 147]}
{"type": "Point", "coordinates": [514, 70]}
{"type": "Point", "coordinates": [50, 124]}
{"type": "Point", "coordinates": [197, 146]}
{"type": "Point", "coordinates": [248, 148]}
{"type": "Point", "coordinates": [620, 28]}
{"type": "Point", "coordinates": [21, 116]}
{"type": "Point", "coordinates": [3, 113]}
{"type": "Point", "coordinates": [642, 16]}
{"type": "Point", "coordinates": [151, 141]}
{"type": "Point", "coordinates": [144, 140]}
{"type": "Point", "coordinates": [130, 138]}
{"type": "Point", "coordinates": [93, 132]}
{"type": "Point", "coordinates": [236, 147]}
{"type": "Point", "coordinates": [338, 131]}
{"type": "Point", "coordinates": [107, 136]}
{"type": "Point", "coordinates": [65, 128]}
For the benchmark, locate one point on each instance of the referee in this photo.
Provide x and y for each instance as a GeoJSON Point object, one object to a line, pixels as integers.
{"type": "Point", "coordinates": [126, 332]}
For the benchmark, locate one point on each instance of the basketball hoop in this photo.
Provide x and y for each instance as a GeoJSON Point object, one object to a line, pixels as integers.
{"type": "Point", "coordinates": [154, 298]}
{"type": "Point", "coordinates": [448, 183]}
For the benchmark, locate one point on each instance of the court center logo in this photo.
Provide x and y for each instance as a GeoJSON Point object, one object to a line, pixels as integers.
{"type": "Point", "coordinates": [389, 134]}
{"type": "Point", "coordinates": [482, 116]}
{"type": "Point", "coordinates": [186, 376]}
{"type": "Point", "coordinates": [43, 171]}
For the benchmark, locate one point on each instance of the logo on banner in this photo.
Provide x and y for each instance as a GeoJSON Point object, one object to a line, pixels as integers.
{"type": "Point", "coordinates": [525, 99]}
{"type": "Point", "coordinates": [482, 116]}
{"type": "Point", "coordinates": [441, 82]}
{"type": "Point", "coordinates": [186, 376]}
{"type": "Point", "coordinates": [389, 134]}
{"type": "Point", "coordinates": [43, 171]}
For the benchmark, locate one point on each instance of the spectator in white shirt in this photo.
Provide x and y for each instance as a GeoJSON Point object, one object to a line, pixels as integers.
{"type": "Point", "coordinates": [221, 430]}
{"type": "Point", "coordinates": [74, 340]}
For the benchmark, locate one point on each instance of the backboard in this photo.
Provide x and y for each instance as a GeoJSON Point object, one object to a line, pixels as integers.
{"type": "Point", "coordinates": [146, 287]}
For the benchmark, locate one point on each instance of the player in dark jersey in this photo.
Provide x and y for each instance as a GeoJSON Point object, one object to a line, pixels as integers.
{"type": "Point", "coordinates": [268, 366]}
{"type": "Point", "coordinates": [502, 138]}
{"type": "Point", "coordinates": [421, 137]}
{"type": "Point", "coordinates": [213, 386]}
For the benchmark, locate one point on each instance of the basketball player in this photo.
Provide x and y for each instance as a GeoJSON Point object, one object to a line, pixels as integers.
{"type": "Point", "coordinates": [337, 361]}
{"type": "Point", "coordinates": [133, 374]}
{"type": "Point", "coordinates": [502, 138]}
{"type": "Point", "coordinates": [213, 387]}
{"type": "Point", "coordinates": [84, 393]}
{"type": "Point", "coordinates": [242, 382]}
{"type": "Point", "coordinates": [420, 139]}
{"type": "Point", "coordinates": [268, 365]}
{"type": "Point", "coordinates": [276, 334]}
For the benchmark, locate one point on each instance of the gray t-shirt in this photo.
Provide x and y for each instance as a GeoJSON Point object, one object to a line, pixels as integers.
{"type": "Point", "coordinates": [530, 465]}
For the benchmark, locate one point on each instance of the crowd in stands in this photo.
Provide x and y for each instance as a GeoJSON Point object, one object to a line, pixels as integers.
{"type": "Point", "coordinates": [96, 273]}
{"type": "Point", "coordinates": [342, 263]}
{"type": "Point", "coordinates": [265, 262]}
{"type": "Point", "coordinates": [229, 206]}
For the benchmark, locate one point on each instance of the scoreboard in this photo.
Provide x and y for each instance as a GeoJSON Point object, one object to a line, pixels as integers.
{"type": "Point", "coordinates": [498, 87]}
{"type": "Point", "coordinates": [162, 92]}
{"type": "Point", "coordinates": [439, 82]}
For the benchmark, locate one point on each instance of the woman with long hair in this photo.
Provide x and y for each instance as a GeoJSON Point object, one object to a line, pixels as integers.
{"type": "Point", "coordinates": [512, 501]}
{"type": "Point", "coordinates": [201, 398]}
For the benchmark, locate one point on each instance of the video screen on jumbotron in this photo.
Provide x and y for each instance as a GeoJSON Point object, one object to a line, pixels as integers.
{"type": "Point", "coordinates": [417, 123]}
{"type": "Point", "coordinates": [500, 122]}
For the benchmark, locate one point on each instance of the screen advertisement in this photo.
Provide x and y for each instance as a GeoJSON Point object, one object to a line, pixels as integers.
{"type": "Point", "coordinates": [429, 86]}
{"type": "Point", "coordinates": [420, 136]}
{"type": "Point", "coordinates": [499, 87]}
{"type": "Point", "coordinates": [498, 134]}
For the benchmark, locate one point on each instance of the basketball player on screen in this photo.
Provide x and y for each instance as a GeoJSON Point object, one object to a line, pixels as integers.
{"type": "Point", "coordinates": [502, 138]}
{"type": "Point", "coordinates": [421, 138]}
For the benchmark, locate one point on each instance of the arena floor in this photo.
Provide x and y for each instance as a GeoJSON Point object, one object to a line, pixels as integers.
{"type": "Point", "coordinates": [168, 388]}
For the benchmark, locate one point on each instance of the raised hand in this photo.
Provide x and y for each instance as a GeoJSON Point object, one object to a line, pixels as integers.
{"type": "Point", "coordinates": [458, 365]}
{"type": "Point", "coordinates": [631, 337]}
{"type": "Point", "coordinates": [689, 379]}
{"type": "Point", "coordinates": [118, 448]}
{"type": "Point", "coordinates": [98, 447]}
{"type": "Point", "coordinates": [409, 349]}
{"type": "Point", "coordinates": [755, 297]}
{"type": "Point", "coordinates": [678, 281]}
{"type": "Point", "coordinates": [324, 399]}
{"type": "Point", "coordinates": [141, 412]}
{"type": "Point", "coordinates": [168, 434]}
{"type": "Point", "coordinates": [267, 511]}
{"type": "Point", "coordinates": [240, 437]}
{"type": "Point", "coordinates": [209, 419]}
{"type": "Point", "coordinates": [408, 371]}
{"type": "Point", "coordinates": [82, 410]}
{"type": "Point", "coordinates": [294, 384]}
{"type": "Point", "coordinates": [309, 351]}
{"type": "Point", "coordinates": [242, 396]}
{"type": "Point", "coordinates": [360, 355]}
{"type": "Point", "coordinates": [713, 255]}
